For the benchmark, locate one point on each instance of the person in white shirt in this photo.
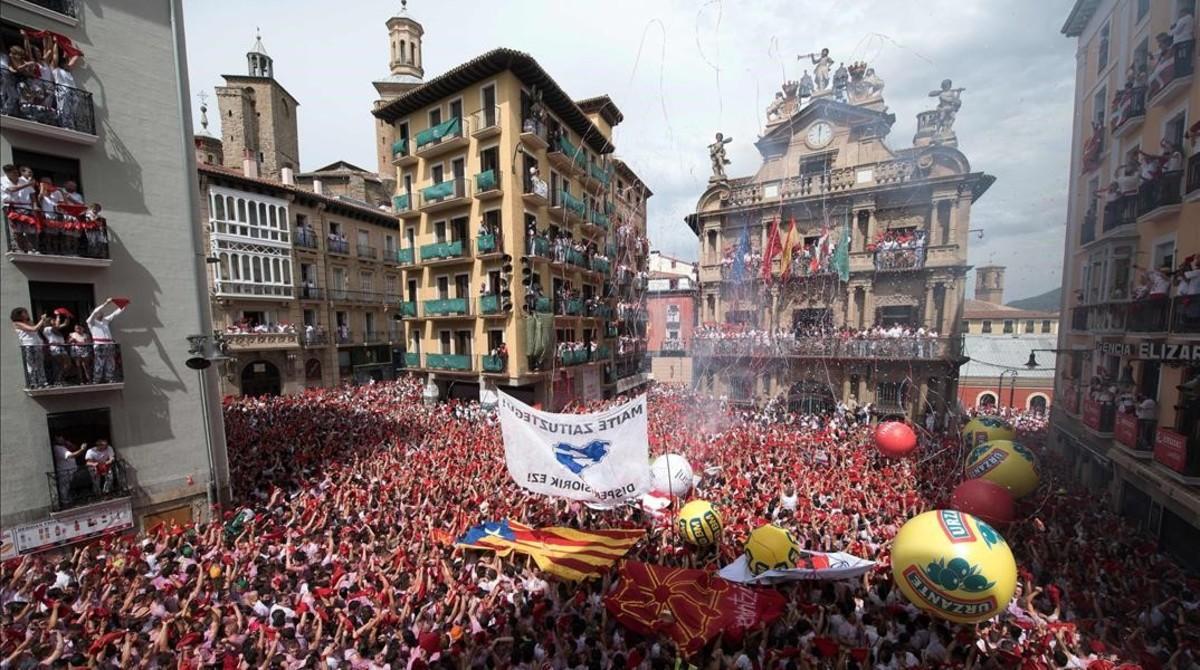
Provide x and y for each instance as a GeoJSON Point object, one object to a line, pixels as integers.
{"type": "Point", "coordinates": [60, 356]}
{"type": "Point", "coordinates": [65, 466]}
{"type": "Point", "coordinates": [105, 349]}
{"type": "Point", "coordinates": [33, 351]}
{"type": "Point", "coordinates": [1184, 28]}
{"type": "Point", "coordinates": [16, 191]}
{"type": "Point", "coordinates": [99, 462]}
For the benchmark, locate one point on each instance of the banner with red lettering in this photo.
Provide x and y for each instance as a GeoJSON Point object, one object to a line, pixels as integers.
{"type": "Point", "coordinates": [812, 565]}
{"type": "Point", "coordinates": [689, 606]}
{"type": "Point", "coordinates": [1126, 430]}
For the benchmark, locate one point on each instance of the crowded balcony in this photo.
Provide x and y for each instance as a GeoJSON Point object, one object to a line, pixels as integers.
{"type": "Point", "coordinates": [452, 362]}
{"type": "Point", "coordinates": [833, 347]}
{"type": "Point", "coordinates": [491, 364]}
{"type": "Point", "coordinates": [534, 134]}
{"type": "Point", "coordinates": [402, 154]}
{"type": "Point", "coordinates": [1172, 72]}
{"type": "Point", "coordinates": [447, 307]}
{"type": "Point", "coordinates": [254, 290]}
{"type": "Point", "coordinates": [73, 236]}
{"type": "Point", "coordinates": [485, 243]}
{"type": "Point", "coordinates": [61, 369]}
{"type": "Point", "coordinates": [898, 260]}
{"type": "Point", "coordinates": [567, 157]}
{"type": "Point", "coordinates": [366, 251]}
{"type": "Point", "coordinates": [487, 185]}
{"type": "Point", "coordinates": [1177, 454]}
{"type": "Point", "coordinates": [1099, 416]}
{"type": "Point", "coordinates": [598, 310]}
{"type": "Point", "coordinates": [439, 252]}
{"type": "Point", "coordinates": [1161, 196]}
{"type": "Point", "coordinates": [78, 487]}
{"type": "Point", "coordinates": [1129, 109]}
{"type": "Point", "coordinates": [314, 336]}
{"type": "Point", "coordinates": [1134, 433]}
{"type": "Point", "coordinates": [442, 138]}
{"type": "Point", "coordinates": [46, 108]}
{"type": "Point", "coordinates": [262, 341]}
{"type": "Point", "coordinates": [485, 122]}
{"type": "Point", "coordinates": [444, 195]}
{"type": "Point", "coordinates": [672, 348]}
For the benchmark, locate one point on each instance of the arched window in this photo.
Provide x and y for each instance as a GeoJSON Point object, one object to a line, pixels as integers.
{"type": "Point", "coordinates": [241, 210]}
{"type": "Point", "coordinates": [278, 278]}
{"type": "Point", "coordinates": [219, 208]}
{"type": "Point", "coordinates": [986, 400]}
{"type": "Point", "coordinates": [401, 49]}
{"type": "Point", "coordinates": [245, 268]}
{"type": "Point", "coordinates": [262, 214]}
{"type": "Point", "coordinates": [235, 267]}
{"type": "Point", "coordinates": [1037, 403]}
{"type": "Point", "coordinates": [287, 271]}
{"type": "Point", "coordinates": [412, 53]}
{"type": "Point", "coordinates": [225, 266]}
{"type": "Point", "coordinates": [253, 214]}
{"type": "Point", "coordinates": [228, 208]}
{"type": "Point", "coordinates": [257, 270]}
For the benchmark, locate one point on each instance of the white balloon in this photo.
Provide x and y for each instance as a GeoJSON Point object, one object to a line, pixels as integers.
{"type": "Point", "coordinates": [671, 473]}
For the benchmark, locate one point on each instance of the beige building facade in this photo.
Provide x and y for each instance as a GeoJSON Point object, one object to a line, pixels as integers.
{"type": "Point", "coordinates": [1129, 325]}
{"type": "Point", "coordinates": [493, 162]}
{"type": "Point", "coordinates": [881, 239]}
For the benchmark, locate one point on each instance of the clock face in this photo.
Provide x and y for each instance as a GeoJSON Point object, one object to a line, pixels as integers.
{"type": "Point", "coordinates": [819, 135]}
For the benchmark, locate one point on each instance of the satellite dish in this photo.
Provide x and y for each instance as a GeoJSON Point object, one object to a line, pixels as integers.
{"type": "Point", "coordinates": [198, 363]}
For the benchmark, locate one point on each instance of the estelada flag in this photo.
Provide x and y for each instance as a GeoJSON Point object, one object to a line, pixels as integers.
{"type": "Point", "coordinates": [565, 552]}
{"type": "Point", "coordinates": [690, 606]}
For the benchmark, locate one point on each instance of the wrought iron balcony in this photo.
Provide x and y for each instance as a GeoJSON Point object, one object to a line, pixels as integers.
{"type": "Point", "coordinates": [490, 305]}
{"type": "Point", "coordinates": [402, 152]}
{"type": "Point", "coordinates": [1160, 196]}
{"type": "Point", "coordinates": [1120, 212]}
{"type": "Point", "coordinates": [87, 485]}
{"type": "Point", "coordinates": [34, 102]}
{"type": "Point", "coordinates": [408, 309]}
{"type": "Point", "coordinates": [365, 251]}
{"type": "Point", "coordinates": [443, 195]}
{"type": "Point", "coordinates": [1170, 77]}
{"type": "Point", "coordinates": [566, 156]}
{"type": "Point", "coordinates": [34, 236]}
{"type": "Point", "coordinates": [58, 369]}
{"type": "Point", "coordinates": [534, 134]}
{"type": "Point", "coordinates": [486, 122]}
{"type": "Point", "coordinates": [896, 260]}
{"type": "Point", "coordinates": [306, 239]}
{"type": "Point", "coordinates": [339, 246]}
{"type": "Point", "coordinates": [543, 305]}
{"type": "Point", "coordinates": [1129, 110]}
{"type": "Point", "coordinates": [403, 205]}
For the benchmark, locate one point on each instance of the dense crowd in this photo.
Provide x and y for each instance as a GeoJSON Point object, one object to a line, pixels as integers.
{"type": "Point", "coordinates": [818, 339]}
{"type": "Point", "coordinates": [338, 553]}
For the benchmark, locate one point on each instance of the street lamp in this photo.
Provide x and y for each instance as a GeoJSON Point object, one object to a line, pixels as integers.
{"type": "Point", "coordinates": [1032, 363]}
{"type": "Point", "coordinates": [1012, 388]}
{"type": "Point", "coordinates": [206, 350]}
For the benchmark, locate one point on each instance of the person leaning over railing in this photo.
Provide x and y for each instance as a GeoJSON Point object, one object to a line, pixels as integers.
{"type": "Point", "coordinates": [105, 347]}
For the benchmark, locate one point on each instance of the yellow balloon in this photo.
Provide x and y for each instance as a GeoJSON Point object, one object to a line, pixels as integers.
{"type": "Point", "coordinates": [770, 547]}
{"type": "Point", "coordinates": [214, 572]}
{"type": "Point", "coordinates": [987, 428]}
{"type": "Point", "coordinates": [699, 523]}
{"type": "Point", "coordinates": [1006, 463]}
{"type": "Point", "coordinates": [954, 566]}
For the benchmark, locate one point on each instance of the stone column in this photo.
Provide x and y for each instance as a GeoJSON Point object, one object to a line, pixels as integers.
{"type": "Point", "coordinates": [922, 397]}
{"type": "Point", "coordinates": [845, 386]}
{"type": "Point", "coordinates": [851, 317]}
{"type": "Point", "coordinates": [868, 316]}
{"type": "Point", "coordinates": [930, 307]}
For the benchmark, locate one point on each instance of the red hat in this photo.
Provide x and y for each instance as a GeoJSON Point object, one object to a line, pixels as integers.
{"type": "Point", "coordinates": [121, 302]}
{"type": "Point", "coordinates": [63, 311]}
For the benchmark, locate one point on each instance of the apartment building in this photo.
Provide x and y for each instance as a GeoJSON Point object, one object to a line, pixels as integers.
{"type": "Point", "coordinates": [1129, 330]}
{"type": "Point", "coordinates": [836, 232]}
{"type": "Point", "coordinates": [123, 282]}
{"type": "Point", "coordinates": [527, 235]}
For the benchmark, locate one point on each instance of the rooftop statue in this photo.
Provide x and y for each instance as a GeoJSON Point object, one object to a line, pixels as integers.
{"type": "Point", "coordinates": [821, 66]}
{"type": "Point", "coordinates": [716, 152]}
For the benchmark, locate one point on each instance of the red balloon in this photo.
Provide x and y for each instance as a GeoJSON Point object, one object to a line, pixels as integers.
{"type": "Point", "coordinates": [984, 499]}
{"type": "Point", "coordinates": [895, 439]}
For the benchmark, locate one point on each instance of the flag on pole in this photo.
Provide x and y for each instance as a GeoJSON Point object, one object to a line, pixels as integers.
{"type": "Point", "coordinates": [820, 251]}
{"type": "Point", "coordinates": [565, 552]}
{"type": "Point", "coordinates": [689, 606]}
{"type": "Point", "coordinates": [841, 256]}
{"type": "Point", "coordinates": [771, 250]}
{"type": "Point", "coordinates": [789, 244]}
{"type": "Point", "coordinates": [812, 565]}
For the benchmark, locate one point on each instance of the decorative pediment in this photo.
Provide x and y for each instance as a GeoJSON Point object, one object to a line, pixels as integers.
{"type": "Point", "coordinates": [861, 122]}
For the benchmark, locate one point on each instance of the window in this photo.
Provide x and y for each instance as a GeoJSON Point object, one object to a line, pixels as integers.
{"type": "Point", "coordinates": [439, 231]}
{"type": "Point", "coordinates": [1008, 326]}
{"type": "Point", "coordinates": [1098, 107]}
{"type": "Point", "coordinates": [435, 117]}
{"type": "Point", "coordinates": [437, 173]}
{"type": "Point", "coordinates": [1029, 326]}
{"type": "Point", "coordinates": [1102, 56]}
{"type": "Point", "coordinates": [813, 165]}
{"type": "Point", "coordinates": [444, 341]}
{"type": "Point", "coordinates": [1143, 8]}
{"type": "Point", "coordinates": [987, 326]}
{"type": "Point", "coordinates": [966, 326]}
{"type": "Point", "coordinates": [1046, 326]}
{"type": "Point", "coordinates": [1164, 254]}
{"type": "Point", "coordinates": [456, 109]}
{"type": "Point", "coordinates": [66, 433]}
{"type": "Point", "coordinates": [443, 287]}
{"type": "Point", "coordinates": [1174, 129]}
{"type": "Point", "coordinates": [60, 170]}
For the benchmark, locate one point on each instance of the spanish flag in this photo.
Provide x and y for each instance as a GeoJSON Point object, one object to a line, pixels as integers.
{"type": "Point", "coordinates": [564, 552]}
{"type": "Point", "coordinates": [789, 241]}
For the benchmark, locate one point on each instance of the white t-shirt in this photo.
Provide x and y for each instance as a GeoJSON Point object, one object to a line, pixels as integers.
{"type": "Point", "coordinates": [19, 197]}
{"type": "Point", "coordinates": [1159, 284]}
{"type": "Point", "coordinates": [97, 455]}
{"type": "Point", "coordinates": [1183, 28]}
{"type": "Point", "coordinates": [1191, 283]}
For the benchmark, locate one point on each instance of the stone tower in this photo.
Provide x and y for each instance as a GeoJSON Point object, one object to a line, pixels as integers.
{"type": "Point", "coordinates": [258, 119]}
{"type": "Point", "coordinates": [989, 283]}
{"type": "Point", "coordinates": [406, 72]}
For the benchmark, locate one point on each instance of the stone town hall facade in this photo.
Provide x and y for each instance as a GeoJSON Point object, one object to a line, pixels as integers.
{"type": "Point", "coordinates": [826, 165]}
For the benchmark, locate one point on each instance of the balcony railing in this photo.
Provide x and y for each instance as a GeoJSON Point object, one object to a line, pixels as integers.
{"type": "Point", "coordinates": [400, 149]}
{"type": "Point", "coordinates": [490, 304]}
{"type": "Point", "coordinates": [900, 259]}
{"type": "Point", "coordinates": [570, 307]}
{"type": "Point", "coordinates": [87, 485]}
{"type": "Point", "coordinates": [1164, 191]}
{"type": "Point", "coordinates": [486, 121]}
{"type": "Point", "coordinates": [1131, 106]}
{"type": "Point", "coordinates": [458, 362]}
{"type": "Point", "coordinates": [882, 348]}
{"type": "Point", "coordinates": [412, 359]}
{"type": "Point", "coordinates": [338, 246]}
{"type": "Point", "coordinates": [1119, 212]}
{"type": "Point", "coordinates": [1098, 416]}
{"type": "Point", "coordinates": [536, 188]}
{"type": "Point", "coordinates": [306, 239]}
{"type": "Point", "coordinates": [486, 182]}
{"type": "Point", "coordinates": [251, 289]}
{"type": "Point", "coordinates": [450, 189]}
{"type": "Point", "coordinates": [601, 265]}
{"type": "Point", "coordinates": [1149, 315]}
{"type": "Point", "coordinates": [540, 246]}
{"type": "Point", "coordinates": [1193, 174]}
{"type": "Point", "coordinates": [1087, 229]}
{"type": "Point", "coordinates": [365, 251]}
{"type": "Point", "coordinates": [317, 338]}
{"type": "Point", "coordinates": [62, 368]}
{"type": "Point", "coordinates": [448, 307]}
{"type": "Point", "coordinates": [375, 337]}
{"type": "Point", "coordinates": [1180, 66]}
{"type": "Point", "coordinates": [402, 203]}
{"type": "Point", "coordinates": [600, 174]}
{"type": "Point", "coordinates": [408, 308]}
{"type": "Point", "coordinates": [443, 250]}
{"type": "Point", "coordinates": [443, 132]}
{"type": "Point", "coordinates": [29, 231]}
{"type": "Point", "coordinates": [492, 364]}
{"type": "Point", "coordinates": [533, 131]}
{"type": "Point", "coordinates": [45, 102]}
{"type": "Point", "coordinates": [563, 152]}
{"type": "Point", "coordinates": [262, 341]}
{"type": "Point", "coordinates": [309, 293]}
{"type": "Point", "coordinates": [1185, 314]}
{"type": "Point", "coordinates": [543, 305]}
{"type": "Point", "coordinates": [672, 348]}
{"type": "Point", "coordinates": [598, 218]}
{"type": "Point", "coordinates": [486, 244]}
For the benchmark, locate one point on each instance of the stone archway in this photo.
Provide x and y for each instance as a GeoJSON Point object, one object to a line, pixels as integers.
{"type": "Point", "coordinates": [810, 397]}
{"type": "Point", "coordinates": [985, 399]}
{"type": "Point", "coordinates": [261, 378]}
{"type": "Point", "coordinates": [1038, 403]}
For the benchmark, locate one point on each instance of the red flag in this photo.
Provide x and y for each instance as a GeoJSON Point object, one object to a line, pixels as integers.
{"type": "Point", "coordinates": [820, 251]}
{"type": "Point", "coordinates": [690, 606]}
{"type": "Point", "coordinates": [789, 246]}
{"type": "Point", "coordinates": [772, 250]}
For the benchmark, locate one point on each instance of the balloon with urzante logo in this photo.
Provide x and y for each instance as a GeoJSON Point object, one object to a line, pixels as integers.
{"type": "Point", "coordinates": [1009, 464]}
{"type": "Point", "coordinates": [699, 523]}
{"type": "Point", "coordinates": [954, 566]}
{"type": "Point", "coordinates": [987, 428]}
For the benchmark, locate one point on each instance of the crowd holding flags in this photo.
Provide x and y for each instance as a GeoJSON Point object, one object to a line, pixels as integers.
{"type": "Point", "coordinates": [565, 552]}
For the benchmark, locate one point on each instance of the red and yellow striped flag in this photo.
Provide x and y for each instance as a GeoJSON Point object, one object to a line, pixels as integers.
{"type": "Point", "coordinates": [564, 552]}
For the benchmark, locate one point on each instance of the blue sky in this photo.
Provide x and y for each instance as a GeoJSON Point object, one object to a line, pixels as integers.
{"type": "Point", "coordinates": [681, 71]}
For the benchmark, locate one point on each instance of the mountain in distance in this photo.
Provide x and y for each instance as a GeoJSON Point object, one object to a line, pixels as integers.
{"type": "Point", "coordinates": [1050, 301]}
